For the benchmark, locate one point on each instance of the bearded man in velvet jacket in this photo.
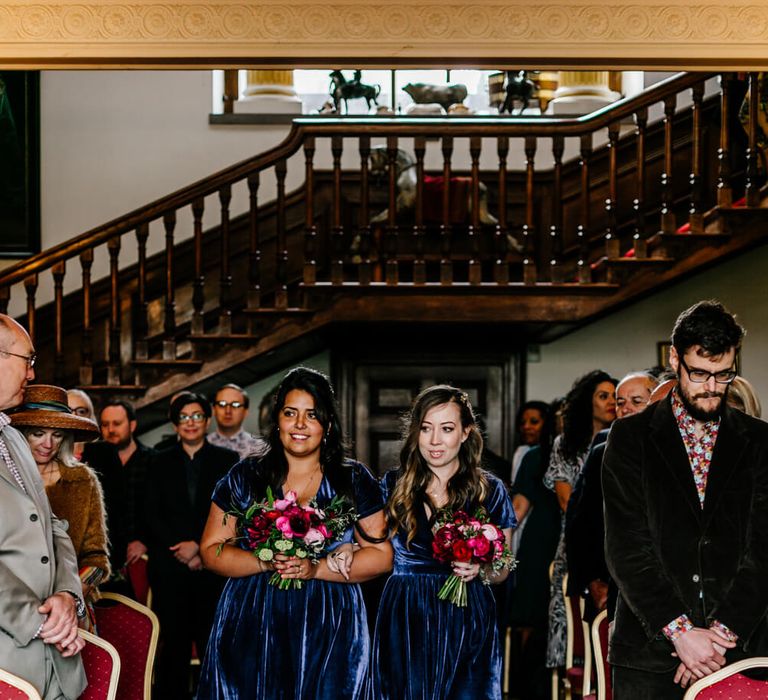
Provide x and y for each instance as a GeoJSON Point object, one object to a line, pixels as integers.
{"type": "Point", "coordinates": [686, 512]}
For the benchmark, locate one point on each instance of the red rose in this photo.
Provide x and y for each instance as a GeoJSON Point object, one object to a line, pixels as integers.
{"type": "Point", "coordinates": [461, 552]}
{"type": "Point", "coordinates": [272, 515]}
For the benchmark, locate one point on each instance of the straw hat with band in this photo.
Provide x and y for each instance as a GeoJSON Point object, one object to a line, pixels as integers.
{"type": "Point", "coordinates": [45, 406]}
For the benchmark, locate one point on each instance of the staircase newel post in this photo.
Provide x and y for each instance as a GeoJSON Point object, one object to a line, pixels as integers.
{"type": "Point", "coordinates": [584, 272]}
{"type": "Point", "coordinates": [419, 264]}
{"type": "Point", "coordinates": [391, 272]}
{"type": "Point", "coordinates": [86, 346]}
{"type": "Point", "coordinates": [310, 230]}
{"type": "Point", "coordinates": [752, 185]}
{"type": "Point", "coordinates": [446, 263]}
{"type": "Point", "coordinates": [557, 273]}
{"type": "Point", "coordinates": [473, 232]}
{"type": "Point", "coordinates": [530, 249]}
{"type": "Point", "coordinates": [30, 286]}
{"type": "Point", "coordinates": [58, 271]}
{"type": "Point", "coordinates": [639, 236]}
{"type": "Point", "coordinates": [364, 273]}
{"type": "Point", "coordinates": [113, 351]}
{"type": "Point", "coordinates": [724, 191]}
{"type": "Point", "coordinates": [501, 234]}
{"type": "Point", "coordinates": [337, 230]}
{"type": "Point", "coordinates": [281, 249]}
{"type": "Point", "coordinates": [169, 327]}
{"type": "Point", "coordinates": [198, 286]}
{"type": "Point", "coordinates": [668, 224]}
{"type": "Point", "coordinates": [140, 343]}
{"type": "Point", "coordinates": [254, 250]}
{"type": "Point", "coordinates": [612, 249]}
{"type": "Point", "coordinates": [225, 281]}
{"type": "Point", "coordinates": [695, 215]}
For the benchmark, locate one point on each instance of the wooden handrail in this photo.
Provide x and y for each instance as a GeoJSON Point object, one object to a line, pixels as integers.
{"type": "Point", "coordinates": [402, 127]}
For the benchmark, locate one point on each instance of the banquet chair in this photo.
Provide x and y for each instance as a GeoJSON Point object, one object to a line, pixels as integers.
{"type": "Point", "coordinates": [578, 650]}
{"type": "Point", "coordinates": [133, 629]}
{"type": "Point", "coordinates": [139, 580]}
{"type": "Point", "coordinates": [603, 690]}
{"type": "Point", "coordinates": [14, 688]}
{"type": "Point", "coordinates": [729, 682]}
{"type": "Point", "coordinates": [102, 668]}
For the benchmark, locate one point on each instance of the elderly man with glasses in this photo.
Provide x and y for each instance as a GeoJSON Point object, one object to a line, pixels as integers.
{"type": "Point", "coordinates": [230, 408]}
{"type": "Point", "coordinates": [685, 485]}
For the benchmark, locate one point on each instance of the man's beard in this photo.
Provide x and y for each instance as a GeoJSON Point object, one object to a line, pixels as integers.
{"type": "Point", "coordinates": [122, 444]}
{"type": "Point", "coordinates": [697, 412]}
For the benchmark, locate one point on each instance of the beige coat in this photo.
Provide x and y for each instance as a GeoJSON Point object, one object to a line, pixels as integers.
{"type": "Point", "coordinates": [36, 560]}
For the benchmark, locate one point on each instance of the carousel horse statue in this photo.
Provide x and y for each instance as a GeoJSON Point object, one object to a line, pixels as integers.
{"type": "Point", "coordinates": [518, 87]}
{"type": "Point", "coordinates": [343, 89]}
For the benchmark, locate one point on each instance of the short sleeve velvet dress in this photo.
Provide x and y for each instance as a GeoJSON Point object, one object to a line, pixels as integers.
{"type": "Point", "coordinates": [425, 648]}
{"type": "Point", "coordinates": [301, 644]}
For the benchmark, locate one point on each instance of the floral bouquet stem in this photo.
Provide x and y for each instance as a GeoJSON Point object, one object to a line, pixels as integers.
{"type": "Point", "coordinates": [284, 584]}
{"type": "Point", "coordinates": [454, 590]}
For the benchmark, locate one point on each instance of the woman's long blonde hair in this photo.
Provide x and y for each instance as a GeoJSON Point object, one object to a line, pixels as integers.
{"type": "Point", "coordinates": [467, 485]}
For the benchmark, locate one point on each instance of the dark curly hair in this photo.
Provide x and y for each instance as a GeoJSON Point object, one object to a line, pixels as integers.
{"type": "Point", "coordinates": [577, 416]}
{"type": "Point", "coordinates": [707, 324]}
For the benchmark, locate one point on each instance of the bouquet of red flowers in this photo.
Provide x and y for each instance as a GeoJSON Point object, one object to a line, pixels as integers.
{"type": "Point", "coordinates": [459, 537]}
{"type": "Point", "coordinates": [284, 526]}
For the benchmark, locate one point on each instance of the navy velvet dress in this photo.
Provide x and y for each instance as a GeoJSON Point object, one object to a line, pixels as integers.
{"type": "Point", "coordinates": [425, 648]}
{"type": "Point", "coordinates": [305, 644]}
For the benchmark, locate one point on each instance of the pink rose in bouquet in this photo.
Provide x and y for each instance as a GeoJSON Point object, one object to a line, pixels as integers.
{"type": "Point", "coordinates": [284, 526]}
{"type": "Point", "coordinates": [459, 537]}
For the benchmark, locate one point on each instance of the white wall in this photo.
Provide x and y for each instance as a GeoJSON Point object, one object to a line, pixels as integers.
{"type": "Point", "coordinates": [626, 340]}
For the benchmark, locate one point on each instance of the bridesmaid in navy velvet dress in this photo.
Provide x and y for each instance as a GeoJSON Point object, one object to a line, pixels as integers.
{"type": "Point", "coordinates": [297, 644]}
{"type": "Point", "coordinates": [425, 648]}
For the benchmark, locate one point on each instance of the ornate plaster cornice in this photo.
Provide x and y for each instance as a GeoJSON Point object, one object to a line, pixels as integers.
{"type": "Point", "coordinates": [679, 34]}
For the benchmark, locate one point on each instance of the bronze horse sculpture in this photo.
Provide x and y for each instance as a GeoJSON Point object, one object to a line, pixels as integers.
{"type": "Point", "coordinates": [343, 89]}
{"type": "Point", "coordinates": [518, 87]}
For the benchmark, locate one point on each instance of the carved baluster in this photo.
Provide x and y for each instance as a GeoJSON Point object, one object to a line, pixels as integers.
{"type": "Point", "coordinates": [225, 279]}
{"type": "Point", "coordinates": [530, 276]}
{"type": "Point", "coordinates": [639, 237]}
{"type": "Point", "coordinates": [419, 232]}
{"type": "Point", "coordinates": [58, 271]}
{"type": "Point", "coordinates": [473, 232]}
{"type": "Point", "coordinates": [113, 349]}
{"type": "Point", "coordinates": [724, 191]}
{"type": "Point", "coordinates": [5, 298]}
{"type": "Point", "coordinates": [752, 186]}
{"type": "Point", "coordinates": [254, 249]}
{"type": "Point", "coordinates": [30, 285]}
{"type": "Point", "coordinates": [612, 249]}
{"type": "Point", "coordinates": [310, 230]}
{"type": "Point", "coordinates": [695, 214]}
{"type": "Point", "coordinates": [364, 227]}
{"type": "Point", "coordinates": [337, 229]}
{"type": "Point", "coordinates": [391, 272]}
{"type": "Point", "coordinates": [446, 263]}
{"type": "Point", "coordinates": [169, 327]}
{"type": "Point", "coordinates": [86, 344]}
{"type": "Point", "coordinates": [584, 271]}
{"type": "Point", "coordinates": [556, 228]}
{"type": "Point", "coordinates": [501, 267]}
{"type": "Point", "coordinates": [231, 90]}
{"type": "Point", "coordinates": [668, 224]}
{"type": "Point", "coordinates": [281, 281]}
{"type": "Point", "coordinates": [140, 346]}
{"type": "Point", "coordinates": [198, 285]}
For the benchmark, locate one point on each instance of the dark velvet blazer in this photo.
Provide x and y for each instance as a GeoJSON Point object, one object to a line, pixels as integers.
{"type": "Point", "coordinates": [669, 555]}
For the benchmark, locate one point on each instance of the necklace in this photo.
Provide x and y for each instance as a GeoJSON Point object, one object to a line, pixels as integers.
{"type": "Point", "coordinates": [300, 493]}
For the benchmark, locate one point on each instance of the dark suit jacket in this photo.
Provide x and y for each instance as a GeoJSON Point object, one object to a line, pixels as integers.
{"type": "Point", "coordinates": [669, 555]}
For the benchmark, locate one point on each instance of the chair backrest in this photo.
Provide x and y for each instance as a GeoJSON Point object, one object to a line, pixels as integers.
{"type": "Point", "coordinates": [577, 638]}
{"type": "Point", "coordinates": [133, 630]}
{"type": "Point", "coordinates": [729, 682]}
{"type": "Point", "coordinates": [14, 688]}
{"type": "Point", "coordinates": [600, 646]}
{"type": "Point", "coordinates": [139, 578]}
{"type": "Point", "coordinates": [102, 668]}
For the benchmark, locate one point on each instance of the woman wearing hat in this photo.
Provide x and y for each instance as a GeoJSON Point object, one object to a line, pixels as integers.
{"type": "Point", "coordinates": [73, 489]}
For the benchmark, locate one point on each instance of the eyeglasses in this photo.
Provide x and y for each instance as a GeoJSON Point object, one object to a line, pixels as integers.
{"type": "Point", "coordinates": [30, 359]}
{"type": "Point", "coordinates": [194, 417]}
{"type": "Point", "coordinates": [233, 404]}
{"type": "Point", "coordinates": [81, 411]}
{"type": "Point", "coordinates": [701, 376]}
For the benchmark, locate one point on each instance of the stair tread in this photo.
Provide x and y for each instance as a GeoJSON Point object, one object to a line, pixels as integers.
{"type": "Point", "coordinates": [160, 362]}
{"type": "Point", "coordinates": [291, 310]}
{"type": "Point", "coordinates": [220, 336]}
{"type": "Point", "coordinates": [132, 388]}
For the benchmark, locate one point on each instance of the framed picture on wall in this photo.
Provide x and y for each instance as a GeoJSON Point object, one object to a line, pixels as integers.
{"type": "Point", "coordinates": [19, 163]}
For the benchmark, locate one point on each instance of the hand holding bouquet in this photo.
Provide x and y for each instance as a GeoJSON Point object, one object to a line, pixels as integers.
{"type": "Point", "coordinates": [471, 540]}
{"type": "Point", "coordinates": [276, 527]}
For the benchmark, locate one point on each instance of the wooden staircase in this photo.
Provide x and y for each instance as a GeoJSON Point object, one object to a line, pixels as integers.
{"type": "Point", "coordinates": [290, 269]}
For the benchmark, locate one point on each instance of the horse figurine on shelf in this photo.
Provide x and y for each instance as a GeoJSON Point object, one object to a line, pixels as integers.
{"type": "Point", "coordinates": [518, 88]}
{"type": "Point", "coordinates": [343, 89]}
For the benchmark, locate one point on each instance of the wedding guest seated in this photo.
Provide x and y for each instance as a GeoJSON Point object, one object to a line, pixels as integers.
{"type": "Point", "coordinates": [72, 488]}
